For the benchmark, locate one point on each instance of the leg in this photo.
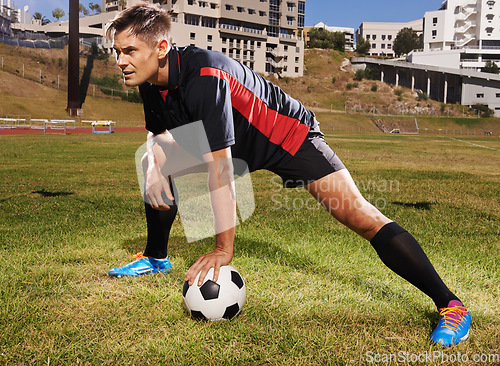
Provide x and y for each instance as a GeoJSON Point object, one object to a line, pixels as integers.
{"type": "Point", "coordinates": [394, 245]}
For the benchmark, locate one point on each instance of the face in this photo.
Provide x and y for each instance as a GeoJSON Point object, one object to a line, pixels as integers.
{"type": "Point", "coordinates": [139, 61]}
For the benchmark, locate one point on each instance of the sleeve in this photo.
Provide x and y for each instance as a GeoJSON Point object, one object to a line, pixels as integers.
{"type": "Point", "coordinates": [209, 100]}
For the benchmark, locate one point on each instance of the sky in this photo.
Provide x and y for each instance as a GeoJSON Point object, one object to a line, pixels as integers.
{"type": "Point", "coordinates": [347, 13]}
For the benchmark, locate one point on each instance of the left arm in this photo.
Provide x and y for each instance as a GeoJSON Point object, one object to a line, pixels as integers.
{"type": "Point", "coordinates": [223, 199]}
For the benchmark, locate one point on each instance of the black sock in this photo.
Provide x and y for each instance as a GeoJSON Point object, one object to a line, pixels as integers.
{"type": "Point", "coordinates": [159, 225]}
{"type": "Point", "coordinates": [401, 253]}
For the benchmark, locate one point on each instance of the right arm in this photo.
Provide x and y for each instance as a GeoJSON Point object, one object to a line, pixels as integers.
{"type": "Point", "coordinates": [156, 183]}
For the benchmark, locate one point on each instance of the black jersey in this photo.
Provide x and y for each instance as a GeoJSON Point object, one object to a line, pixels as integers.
{"type": "Point", "coordinates": [239, 108]}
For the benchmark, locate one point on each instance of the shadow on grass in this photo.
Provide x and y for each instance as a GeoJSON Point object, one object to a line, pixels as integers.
{"type": "Point", "coordinates": [417, 205]}
{"type": "Point", "coordinates": [45, 193]}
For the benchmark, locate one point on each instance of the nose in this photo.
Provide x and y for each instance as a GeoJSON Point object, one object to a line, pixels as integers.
{"type": "Point", "coordinates": [121, 60]}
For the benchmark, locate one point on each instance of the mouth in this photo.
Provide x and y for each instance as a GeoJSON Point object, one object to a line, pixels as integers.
{"type": "Point", "coordinates": [127, 74]}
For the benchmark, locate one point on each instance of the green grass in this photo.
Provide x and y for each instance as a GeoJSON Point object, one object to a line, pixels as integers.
{"type": "Point", "coordinates": [316, 293]}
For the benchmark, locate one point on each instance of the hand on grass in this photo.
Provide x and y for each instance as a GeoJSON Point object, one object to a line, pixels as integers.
{"type": "Point", "coordinates": [214, 260]}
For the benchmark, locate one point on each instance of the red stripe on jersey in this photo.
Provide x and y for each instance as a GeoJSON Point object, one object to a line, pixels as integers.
{"type": "Point", "coordinates": [281, 130]}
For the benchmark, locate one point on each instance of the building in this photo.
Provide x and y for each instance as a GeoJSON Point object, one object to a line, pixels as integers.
{"type": "Point", "coordinates": [462, 34]}
{"type": "Point", "coordinates": [261, 34]}
{"type": "Point", "coordinates": [447, 85]}
{"type": "Point", "coordinates": [264, 35]}
{"type": "Point", "coordinates": [382, 35]}
{"type": "Point", "coordinates": [348, 32]}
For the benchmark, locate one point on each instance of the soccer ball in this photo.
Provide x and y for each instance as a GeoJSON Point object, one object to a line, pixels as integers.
{"type": "Point", "coordinates": [221, 300]}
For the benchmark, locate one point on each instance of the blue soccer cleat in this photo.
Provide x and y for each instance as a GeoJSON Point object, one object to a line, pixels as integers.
{"type": "Point", "coordinates": [453, 327]}
{"type": "Point", "coordinates": [142, 265]}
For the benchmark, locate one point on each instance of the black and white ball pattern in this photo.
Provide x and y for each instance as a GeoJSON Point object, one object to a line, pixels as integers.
{"type": "Point", "coordinates": [221, 300]}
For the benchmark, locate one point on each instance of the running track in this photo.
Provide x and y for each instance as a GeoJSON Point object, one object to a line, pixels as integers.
{"type": "Point", "coordinates": [69, 131]}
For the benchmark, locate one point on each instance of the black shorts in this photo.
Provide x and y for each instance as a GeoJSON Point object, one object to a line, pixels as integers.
{"type": "Point", "coordinates": [314, 160]}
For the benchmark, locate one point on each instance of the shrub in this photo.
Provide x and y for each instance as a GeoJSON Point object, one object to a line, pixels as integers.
{"type": "Point", "coordinates": [422, 96]}
{"type": "Point", "coordinates": [360, 74]}
{"type": "Point", "coordinates": [398, 92]}
{"type": "Point", "coordinates": [334, 79]}
{"type": "Point", "coordinates": [374, 88]}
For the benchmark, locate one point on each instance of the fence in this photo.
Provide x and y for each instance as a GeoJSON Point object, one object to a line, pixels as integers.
{"type": "Point", "coordinates": [38, 75]}
{"type": "Point", "coordinates": [34, 43]}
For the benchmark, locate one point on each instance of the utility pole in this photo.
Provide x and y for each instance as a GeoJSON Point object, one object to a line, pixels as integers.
{"type": "Point", "coordinates": [74, 106]}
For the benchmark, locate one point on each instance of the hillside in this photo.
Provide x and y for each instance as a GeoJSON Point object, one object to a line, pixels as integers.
{"type": "Point", "coordinates": [327, 86]}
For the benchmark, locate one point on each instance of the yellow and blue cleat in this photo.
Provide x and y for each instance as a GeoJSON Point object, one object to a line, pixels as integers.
{"type": "Point", "coordinates": [142, 265]}
{"type": "Point", "coordinates": [453, 326]}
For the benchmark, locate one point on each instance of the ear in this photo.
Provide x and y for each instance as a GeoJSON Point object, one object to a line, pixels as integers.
{"type": "Point", "coordinates": [163, 48]}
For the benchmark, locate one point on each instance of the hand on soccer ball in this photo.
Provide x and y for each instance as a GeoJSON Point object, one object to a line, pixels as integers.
{"type": "Point", "coordinates": [214, 260]}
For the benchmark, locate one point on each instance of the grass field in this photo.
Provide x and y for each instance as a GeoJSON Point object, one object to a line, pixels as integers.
{"type": "Point", "coordinates": [316, 293]}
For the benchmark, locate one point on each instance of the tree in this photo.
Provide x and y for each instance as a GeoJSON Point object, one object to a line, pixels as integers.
{"type": "Point", "coordinates": [41, 18]}
{"type": "Point", "coordinates": [491, 67]}
{"type": "Point", "coordinates": [406, 41]}
{"type": "Point", "coordinates": [96, 8]}
{"type": "Point", "coordinates": [83, 10]}
{"type": "Point", "coordinates": [58, 13]}
{"type": "Point", "coordinates": [363, 46]}
{"type": "Point", "coordinates": [322, 38]}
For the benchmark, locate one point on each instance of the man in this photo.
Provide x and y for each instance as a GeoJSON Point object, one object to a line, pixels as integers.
{"type": "Point", "coordinates": [246, 117]}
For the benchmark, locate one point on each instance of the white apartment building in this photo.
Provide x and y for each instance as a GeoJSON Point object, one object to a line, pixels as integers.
{"type": "Point", "coordinates": [261, 34]}
{"type": "Point", "coordinates": [382, 35]}
{"type": "Point", "coordinates": [348, 32]}
{"type": "Point", "coordinates": [462, 34]}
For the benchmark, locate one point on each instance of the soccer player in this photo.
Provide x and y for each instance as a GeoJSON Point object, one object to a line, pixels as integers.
{"type": "Point", "coordinates": [247, 117]}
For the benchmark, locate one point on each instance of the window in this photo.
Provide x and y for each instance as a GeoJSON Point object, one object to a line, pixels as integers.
{"type": "Point", "coordinates": [389, 46]}
{"type": "Point", "coordinates": [224, 39]}
{"type": "Point", "coordinates": [191, 19]}
{"type": "Point", "coordinates": [224, 50]}
{"type": "Point", "coordinates": [490, 3]}
{"type": "Point", "coordinates": [190, 2]}
{"type": "Point", "coordinates": [489, 30]}
{"type": "Point", "coordinates": [374, 45]}
{"type": "Point", "coordinates": [300, 21]}
{"type": "Point", "coordinates": [490, 17]}
{"type": "Point", "coordinates": [498, 95]}
{"type": "Point", "coordinates": [297, 70]}
{"type": "Point", "coordinates": [209, 38]}
{"type": "Point", "coordinates": [374, 36]}
{"type": "Point", "coordinates": [202, 4]}
{"type": "Point", "coordinates": [480, 95]}
{"type": "Point", "coordinates": [297, 59]}
{"type": "Point", "coordinates": [368, 36]}
{"type": "Point", "coordinates": [209, 48]}
{"type": "Point", "coordinates": [290, 6]}
{"type": "Point", "coordinates": [241, 9]}
{"type": "Point", "coordinates": [229, 7]}
{"type": "Point", "coordinates": [251, 11]}
{"type": "Point", "coordinates": [208, 22]}
{"type": "Point", "coordinates": [213, 5]}
{"type": "Point", "coordinates": [434, 33]}
{"type": "Point", "coordinates": [289, 20]}
{"type": "Point", "coordinates": [258, 44]}
{"type": "Point", "coordinates": [192, 36]}
{"type": "Point", "coordinates": [302, 7]}
{"type": "Point", "coordinates": [383, 37]}
{"type": "Point", "coordinates": [297, 49]}
{"type": "Point", "coordinates": [382, 46]}
{"type": "Point", "coordinates": [389, 37]}
{"type": "Point", "coordinates": [434, 21]}
{"type": "Point", "coordinates": [285, 58]}
{"type": "Point", "coordinates": [262, 13]}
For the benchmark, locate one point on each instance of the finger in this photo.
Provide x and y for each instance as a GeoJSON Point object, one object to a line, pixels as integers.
{"type": "Point", "coordinates": [203, 274]}
{"type": "Point", "coordinates": [216, 272]}
{"type": "Point", "coordinates": [168, 193]}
